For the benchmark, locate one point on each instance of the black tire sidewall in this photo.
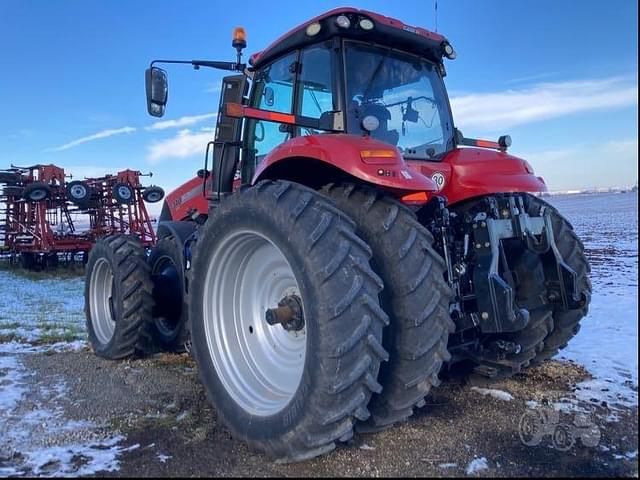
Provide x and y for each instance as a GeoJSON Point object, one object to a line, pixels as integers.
{"type": "Point", "coordinates": [151, 190]}
{"type": "Point", "coordinates": [101, 251]}
{"type": "Point", "coordinates": [167, 247]}
{"type": "Point", "coordinates": [276, 425]}
{"type": "Point", "coordinates": [34, 187]}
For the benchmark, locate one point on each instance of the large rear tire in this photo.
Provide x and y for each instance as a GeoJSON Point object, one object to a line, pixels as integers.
{"type": "Point", "coordinates": [169, 329]}
{"type": "Point", "coordinates": [550, 327]}
{"type": "Point", "coordinates": [415, 297]}
{"type": "Point", "coordinates": [293, 391]}
{"type": "Point", "coordinates": [118, 300]}
{"type": "Point", "coordinates": [566, 323]}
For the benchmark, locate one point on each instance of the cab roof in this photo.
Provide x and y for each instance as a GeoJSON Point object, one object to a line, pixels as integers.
{"type": "Point", "coordinates": [386, 31]}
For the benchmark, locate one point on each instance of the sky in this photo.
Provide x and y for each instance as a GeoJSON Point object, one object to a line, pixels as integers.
{"type": "Point", "coordinates": [559, 76]}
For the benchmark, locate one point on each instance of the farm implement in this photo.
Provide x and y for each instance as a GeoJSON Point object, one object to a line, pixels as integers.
{"type": "Point", "coordinates": [346, 242]}
{"type": "Point", "coordinates": [44, 217]}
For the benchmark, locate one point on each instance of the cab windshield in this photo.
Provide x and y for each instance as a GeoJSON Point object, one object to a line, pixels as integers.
{"type": "Point", "coordinates": [406, 96]}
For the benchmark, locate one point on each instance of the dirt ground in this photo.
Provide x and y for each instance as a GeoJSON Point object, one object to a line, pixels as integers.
{"type": "Point", "coordinates": [159, 405]}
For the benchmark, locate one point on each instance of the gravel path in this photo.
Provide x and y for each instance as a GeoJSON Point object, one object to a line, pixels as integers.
{"type": "Point", "coordinates": [76, 414]}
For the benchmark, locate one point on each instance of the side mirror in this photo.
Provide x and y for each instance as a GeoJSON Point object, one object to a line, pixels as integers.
{"type": "Point", "coordinates": [157, 91]}
{"type": "Point", "coordinates": [268, 96]}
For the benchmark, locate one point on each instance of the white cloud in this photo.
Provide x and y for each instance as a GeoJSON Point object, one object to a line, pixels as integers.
{"type": "Point", "coordinates": [180, 122]}
{"type": "Point", "coordinates": [498, 111]}
{"type": "Point", "coordinates": [185, 144]}
{"type": "Point", "coordinates": [95, 136]}
{"type": "Point", "coordinates": [608, 164]}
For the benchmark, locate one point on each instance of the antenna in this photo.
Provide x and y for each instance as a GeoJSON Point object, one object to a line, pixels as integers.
{"type": "Point", "coordinates": [436, 13]}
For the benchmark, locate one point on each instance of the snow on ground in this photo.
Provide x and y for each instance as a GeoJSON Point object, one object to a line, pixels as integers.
{"type": "Point", "coordinates": [497, 394]}
{"type": "Point", "coordinates": [49, 310]}
{"type": "Point", "coordinates": [607, 343]}
{"type": "Point", "coordinates": [477, 465]}
{"type": "Point", "coordinates": [40, 440]}
{"type": "Point", "coordinates": [39, 315]}
{"type": "Point", "coordinates": [41, 308]}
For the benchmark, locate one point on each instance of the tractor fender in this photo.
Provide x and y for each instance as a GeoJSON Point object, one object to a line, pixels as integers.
{"type": "Point", "coordinates": [364, 158]}
{"type": "Point", "coordinates": [466, 173]}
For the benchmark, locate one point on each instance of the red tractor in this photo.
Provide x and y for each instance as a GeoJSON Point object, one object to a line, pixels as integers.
{"type": "Point", "coordinates": [345, 244]}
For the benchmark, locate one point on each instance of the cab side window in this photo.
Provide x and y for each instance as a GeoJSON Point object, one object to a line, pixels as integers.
{"type": "Point", "coordinates": [273, 91]}
{"type": "Point", "coordinates": [315, 88]}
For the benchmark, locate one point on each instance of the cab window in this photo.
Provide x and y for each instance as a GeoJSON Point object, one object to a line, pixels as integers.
{"type": "Point", "coordinates": [273, 91]}
{"type": "Point", "coordinates": [315, 82]}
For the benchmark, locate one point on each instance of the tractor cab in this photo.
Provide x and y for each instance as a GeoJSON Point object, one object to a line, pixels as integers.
{"type": "Point", "coordinates": [347, 72]}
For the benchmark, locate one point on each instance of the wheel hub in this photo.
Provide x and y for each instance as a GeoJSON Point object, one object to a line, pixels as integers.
{"type": "Point", "coordinates": [288, 314]}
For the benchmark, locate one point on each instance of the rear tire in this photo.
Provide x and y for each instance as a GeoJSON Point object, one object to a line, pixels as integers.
{"type": "Point", "coordinates": [118, 300]}
{"type": "Point", "coordinates": [566, 323]}
{"type": "Point", "coordinates": [530, 294]}
{"type": "Point", "coordinates": [415, 296]}
{"type": "Point", "coordinates": [169, 329]}
{"type": "Point", "coordinates": [285, 234]}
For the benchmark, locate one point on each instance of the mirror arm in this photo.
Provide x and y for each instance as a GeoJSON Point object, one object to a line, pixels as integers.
{"type": "Point", "coordinates": [230, 66]}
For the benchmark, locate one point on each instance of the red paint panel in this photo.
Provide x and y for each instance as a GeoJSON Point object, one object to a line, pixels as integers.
{"type": "Point", "coordinates": [472, 172]}
{"type": "Point", "coordinates": [392, 22]}
{"type": "Point", "coordinates": [345, 152]}
{"type": "Point", "coordinates": [187, 198]}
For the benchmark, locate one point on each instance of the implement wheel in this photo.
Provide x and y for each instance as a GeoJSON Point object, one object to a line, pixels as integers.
{"type": "Point", "coordinates": [118, 300]}
{"type": "Point", "coordinates": [286, 326]}
{"type": "Point", "coordinates": [415, 296]}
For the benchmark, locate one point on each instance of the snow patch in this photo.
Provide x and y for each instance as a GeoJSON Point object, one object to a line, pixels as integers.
{"type": "Point", "coordinates": [37, 438]}
{"type": "Point", "coordinates": [477, 465]}
{"type": "Point", "coordinates": [497, 394]}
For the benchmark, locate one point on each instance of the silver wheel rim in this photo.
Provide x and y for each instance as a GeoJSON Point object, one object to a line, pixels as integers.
{"type": "Point", "coordinates": [100, 295]}
{"type": "Point", "coordinates": [153, 197]}
{"type": "Point", "coordinates": [78, 191]}
{"type": "Point", "coordinates": [124, 192]}
{"type": "Point", "coordinates": [259, 365]}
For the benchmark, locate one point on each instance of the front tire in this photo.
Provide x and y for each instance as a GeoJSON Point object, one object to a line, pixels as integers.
{"type": "Point", "coordinates": [290, 393]}
{"type": "Point", "coordinates": [415, 296]}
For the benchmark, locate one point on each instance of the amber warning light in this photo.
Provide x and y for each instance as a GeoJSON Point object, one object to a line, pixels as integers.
{"type": "Point", "coordinates": [239, 38]}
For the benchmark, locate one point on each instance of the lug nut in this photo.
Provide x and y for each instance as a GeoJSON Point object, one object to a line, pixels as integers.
{"type": "Point", "coordinates": [486, 244]}
{"type": "Point", "coordinates": [484, 315]}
